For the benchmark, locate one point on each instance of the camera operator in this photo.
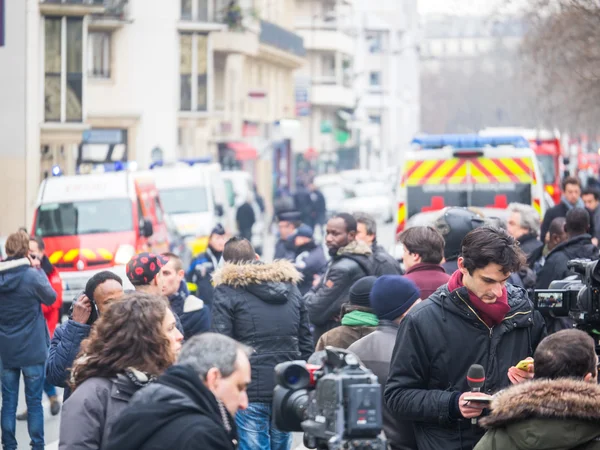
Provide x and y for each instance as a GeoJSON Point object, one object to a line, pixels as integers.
{"type": "Point", "coordinates": [477, 318]}
{"type": "Point", "coordinates": [577, 246]}
{"type": "Point", "coordinates": [559, 409]}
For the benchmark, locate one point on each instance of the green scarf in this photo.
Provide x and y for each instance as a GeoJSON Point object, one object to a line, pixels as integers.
{"type": "Point", "coordinates": [360, 319]}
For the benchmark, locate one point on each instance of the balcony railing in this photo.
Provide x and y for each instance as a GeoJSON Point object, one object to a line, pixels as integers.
{"type": "Point", "coordinates": [281, 38]}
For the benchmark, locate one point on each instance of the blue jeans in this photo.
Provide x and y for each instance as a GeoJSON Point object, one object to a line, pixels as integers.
{"type": "Point", "coordinates": [34, 386]}
{"type": "Point", "coordinates": [256, 431]}
{"type": "Point", "coordinates": [49, 389]}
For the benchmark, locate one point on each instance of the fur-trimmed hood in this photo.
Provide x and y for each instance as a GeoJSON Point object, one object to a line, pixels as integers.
{"type": "Point", "coordinates": [239, 275]}
{"type": "Point", "coordinates": [547, 414]}
{"type": "Point", "coordinates": [355, 248]}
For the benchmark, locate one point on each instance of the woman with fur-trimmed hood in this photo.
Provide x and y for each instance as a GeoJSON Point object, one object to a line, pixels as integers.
{"type": "Point", "coordinates": [559, 409]}
{"type": "Point", "coordinates": [259, 305]}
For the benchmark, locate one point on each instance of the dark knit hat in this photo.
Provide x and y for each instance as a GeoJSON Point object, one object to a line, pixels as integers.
{"type": "Point", "coordinates": [360, 292]}
{"type": "Point", "coordinates": [218, 229]}
{"type": "Point", "coordinates": [305, 231]}
{"type": "Point", "coordinates": [143, 268]}
{"type": "Point", "coordinates": [392, 296]}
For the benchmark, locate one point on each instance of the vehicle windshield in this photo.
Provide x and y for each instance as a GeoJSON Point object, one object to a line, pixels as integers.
{"type": "Point", "coordinates": [434, 197]}
{"type": "Point", "coordinates": [548, 168]}
{"type": "Point", "coordinates": [85, 217]}
{"type": "Point", "coordinates": [333, 194]}
{"type": "Point", "coordinates": [184, 200]}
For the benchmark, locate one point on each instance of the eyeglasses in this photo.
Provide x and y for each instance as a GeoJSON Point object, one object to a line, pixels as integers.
{"type": "Point", "coordinates": [32, 256]}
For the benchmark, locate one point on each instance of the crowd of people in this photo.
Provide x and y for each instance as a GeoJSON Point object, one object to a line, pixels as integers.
{"type": "Point", "coordinates": [159, 367]}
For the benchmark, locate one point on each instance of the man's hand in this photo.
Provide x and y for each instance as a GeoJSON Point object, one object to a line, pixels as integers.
{"type": "Point", "coordinates": [517, 376]}
{"type": "Point", "coordinates": [316, 280]}
{"type": "Point", "coordinates": [471, 409]}
{"type": "Point", "coordinates": [34, 262]}
{"type": "Point", "coordinates": [82, 309]}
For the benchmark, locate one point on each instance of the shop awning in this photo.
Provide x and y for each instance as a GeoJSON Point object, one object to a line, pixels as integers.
{"type": "Point", "coordinates": [243, 151]}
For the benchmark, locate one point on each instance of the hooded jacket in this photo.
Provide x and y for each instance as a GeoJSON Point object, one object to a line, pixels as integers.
{"type": "Point", "coordinates": [436, 344]}
{"type": "Point", "coordinates": [194, 315]}
{"type": "Point", "coordinates": [92, 410]}
{"type": "Point", "coordinates": [324, 302]}
{"type": "Point", "coordinates": [557, 414]}
{"type": "Point", "coordinates": [24, 335]}
{"type": "Point", "coordinates": [375, 352]}
{"type": "Point", "coordinates": [555, 267]}
{"type": "Point", "coordinates": [345, 335]}
{"type": "Point", "coordinates": [177, 412]}
{"type": "Point", "coordinates": [259, 305]}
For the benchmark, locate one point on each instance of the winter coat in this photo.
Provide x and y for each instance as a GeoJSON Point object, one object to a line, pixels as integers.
{"type": "Point", "coordinates": [324, 302]}
{"type": "Point", "coordinates": [555, 267]}
{"type": "Point", "coordinates": [92, 410]}
{"type": "Point", "coordinates": [194, 315]}
{"type": "Point", "coordinates": [595, 231]}
{"type": "Point", "coordinates": [383, 262]}
{"type": "Point", "coordinates": [559, 210]}
{"type": "Point", "coordinates": [557, 414]}
{"type": "Point", "coordinates": [24, 335]}
{"type": "Point", "coordinates": [245, 216]}
{"type": "Point", "coordinates": [284, 249]}
{"type": "Point", "coordinates": [375, 352]}
{"type": "Point", "coordinates": [259, 305]}
{"type": "Point", "coordinates": [532, 247]}
{"type": "Point", "coordinates": [345, 335]}
{"type": "Point", "coordinates": [64, 347]}
{"type": "Point", "coordinates": [303, 204]}
{"type": "Point", "coordinates": [177, 412]}
{"type": "Point", "coordinates": [450, 266]}
{"type": "Point", "coordinates": [428, 277]}
{"type": "Point", "coordinates": [436, 344]}
{"type": "Point", "coordinates": [200, 273]}
{"type": "Point", "coordinates": [309, 261]}
{"type": "Point", "coordinates": [52, 312]}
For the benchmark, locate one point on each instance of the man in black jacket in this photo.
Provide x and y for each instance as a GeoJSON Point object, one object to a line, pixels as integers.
{"type": "Point", "coordinates": [524, 224]}
{"type": "Point", "coordinates": [350, 261]}
{"type": "Point", "coordinates": [577, 246]}
{"type": "Point", "coordinates": [193, 404]}
{"type": "Point", "coordinates": [477, 318]}
{"type": "Point", "coordinates": [288, 224]}
{"type": "Point", "coordinates": [366, 232]}
{"type": "Point", "coordinates": [309, 257]}
{"type": "Point", "coordinates": [570, 199]}
{"type": "Point", "coordinates": [259, 304]}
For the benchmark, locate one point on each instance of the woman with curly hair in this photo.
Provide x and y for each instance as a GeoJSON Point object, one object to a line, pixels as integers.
{"type": "Point", "coordinates": [132, 343]}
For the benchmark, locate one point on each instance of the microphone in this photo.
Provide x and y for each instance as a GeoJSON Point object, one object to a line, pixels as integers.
{"type": "Point", "coordinates": [476, 380]}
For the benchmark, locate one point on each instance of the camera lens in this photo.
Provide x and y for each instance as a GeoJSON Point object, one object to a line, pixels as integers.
{"type": "Point", "coordinates": [292, 379]}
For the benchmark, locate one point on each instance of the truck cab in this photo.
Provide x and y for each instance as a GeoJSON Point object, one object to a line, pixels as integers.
{"type": "Point", "coordinates": [98, 222]}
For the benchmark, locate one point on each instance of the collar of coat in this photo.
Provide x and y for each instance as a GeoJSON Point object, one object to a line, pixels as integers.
{"type": "Point", "coordinates": [545, 399]}
{"type": "Point", "coordinates": [245, 274]}
{"type": "Point", "coordinates": [12, 263]}
{"type": "Point", "coordinates": [355, 248]}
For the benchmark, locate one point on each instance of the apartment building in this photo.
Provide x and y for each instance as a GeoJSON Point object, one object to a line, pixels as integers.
{"type": "Point", "coordinates": [90, 81]}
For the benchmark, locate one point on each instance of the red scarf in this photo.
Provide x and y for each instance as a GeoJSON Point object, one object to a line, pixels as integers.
{"type": "Point", "coordinates": [491, 313]}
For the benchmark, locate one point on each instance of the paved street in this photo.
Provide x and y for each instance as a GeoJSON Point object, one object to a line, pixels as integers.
{"type": "Point", "coordinates": [386, 237]}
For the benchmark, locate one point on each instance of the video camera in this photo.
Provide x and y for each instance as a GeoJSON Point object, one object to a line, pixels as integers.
{"type": "Point", "coordinates": [577, 299]}
{"type": "Point", "coordinates": [337, 404]}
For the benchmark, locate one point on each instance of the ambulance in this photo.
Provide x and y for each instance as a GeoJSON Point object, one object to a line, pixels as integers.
{"type": "Point", "coordinates": [98, 222]}
{"type": "Point", "coordinates": [468, 171]}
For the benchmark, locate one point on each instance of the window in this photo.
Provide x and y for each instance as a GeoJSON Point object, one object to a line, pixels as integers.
{"type": "Point", "coordinates": [328, 62]}
{"type": "Point", "coordinates": [376, 119]}
{"type": "Point", "coordinates": [375, 42]}
{"type": "Point", "coordinates": [186, 9]}
{"type": "Point", "coordinates": [63, 69]}
{"type": "Point", "coordinates": [193, 69]}
{"type": "Point", "coordinates": [195, 10]}
{"type": "Point", "coordinates": [375, 79]}
{"type": "Point", "coordinates": [185, 200]}
{"type": "Point", "coordinates": [99, 54]}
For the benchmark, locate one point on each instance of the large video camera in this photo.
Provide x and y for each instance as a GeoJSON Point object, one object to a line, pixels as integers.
{"type": "Point", "coordinates": [337, 404]}
{"type": "Point", "coordinates": [577, 299]}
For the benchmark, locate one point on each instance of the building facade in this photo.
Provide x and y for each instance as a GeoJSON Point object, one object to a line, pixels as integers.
{"type": "Point", "coordinates": [97, 81]}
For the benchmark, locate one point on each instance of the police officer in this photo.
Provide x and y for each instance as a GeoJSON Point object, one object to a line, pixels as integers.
{"type": "Point", "coordinates": [288, 224]}
{"type": "Point", "coordinates": [206, 263]}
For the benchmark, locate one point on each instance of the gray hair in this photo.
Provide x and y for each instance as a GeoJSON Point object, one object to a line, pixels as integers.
{"type": "Point", "coordinates": [368, 221]}
{"type": "Point", "coordinates": [530, 219]}
{"type": "Point", "coordinates": [208, 350]}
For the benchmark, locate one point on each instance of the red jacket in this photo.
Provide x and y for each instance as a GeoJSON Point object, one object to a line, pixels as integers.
{"type": "Point", "coordinates": [52, 312]}
{"type": "Point", "coordinates": [428, 277]}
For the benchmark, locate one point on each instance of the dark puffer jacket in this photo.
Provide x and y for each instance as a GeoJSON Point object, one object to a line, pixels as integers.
{"type": "Point", "coordinates": [436, 344]}
{"type": "Point", "coordinates": [532, 247]}
{"type": "Point", "coordinates": [259, 305]}
{"type": "Point", "coordinates": [555, 267]}
{"type": "Point", "coordinates": [324, 302]}
{"type": "Point", "coordinates": [383, 262]}
{"type": "Point", "coordinates": [558, 414]}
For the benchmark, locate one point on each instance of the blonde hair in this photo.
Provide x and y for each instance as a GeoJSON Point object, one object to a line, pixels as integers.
{"type": "Point", "coordinates": [17, 245]}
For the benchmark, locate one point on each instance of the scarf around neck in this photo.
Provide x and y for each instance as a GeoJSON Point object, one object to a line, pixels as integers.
{"type": "Point", "coordinates": [360, 319]}
{"type": "Point", "coordinates": [491, 313]}
{"type": "Point", "coordinates": [569, 206]}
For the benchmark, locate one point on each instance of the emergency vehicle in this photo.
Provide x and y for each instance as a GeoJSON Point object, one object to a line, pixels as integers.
{"type": "Point", "coordinates": [98, 222]}
{"type": "Point", "coordinates": [467, 171]}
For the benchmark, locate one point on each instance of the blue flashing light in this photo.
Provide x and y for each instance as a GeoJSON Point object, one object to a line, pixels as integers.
{"type": "Point", "coordinates": [189, 161]}
{"type": "Point", "coordinates": [467, 141]}
{"type": "Point", "coordinates": [56, 171]}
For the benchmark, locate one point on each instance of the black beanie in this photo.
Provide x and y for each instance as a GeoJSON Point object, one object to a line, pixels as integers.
{"type": "Point", "coordinates": [360, 292]}
{"type": "Point", "coordinates": [392, 296]}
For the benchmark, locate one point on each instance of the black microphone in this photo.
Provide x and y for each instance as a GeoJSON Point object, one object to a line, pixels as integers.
{"type": "Point", "coordinates": [476, 380]}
